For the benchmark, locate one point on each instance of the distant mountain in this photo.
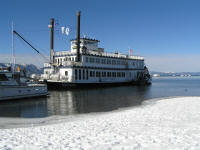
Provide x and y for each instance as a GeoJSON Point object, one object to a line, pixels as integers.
{"type": "Point", "coordinates": [166, 74]}
{"type": "Point", "coordinates": [33, 69]}
{"type": "Point", "coordinates": [2, 65]}
{"type": "Point", "coordinates": [30, 68]}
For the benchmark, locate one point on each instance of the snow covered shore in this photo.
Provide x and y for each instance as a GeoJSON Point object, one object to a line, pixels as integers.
{"type": "Point", "coordinates": [172, 123]}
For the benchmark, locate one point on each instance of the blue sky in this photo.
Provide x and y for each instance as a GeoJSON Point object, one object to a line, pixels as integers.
{"type": "Point", "coordinates": [157, 29]}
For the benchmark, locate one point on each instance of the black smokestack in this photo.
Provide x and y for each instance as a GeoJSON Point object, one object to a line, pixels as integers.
{"type": "Point", "coordinates": [52, 41]}
{"type": "Point", "coordinates": [78, 36]}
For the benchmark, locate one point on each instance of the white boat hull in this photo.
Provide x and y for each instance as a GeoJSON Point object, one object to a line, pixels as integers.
{"type": "Point", "coordinates": [17, 92]}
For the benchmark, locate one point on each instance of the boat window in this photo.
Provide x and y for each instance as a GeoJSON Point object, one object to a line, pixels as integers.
{"type": "Point", "coordinates": [73, 43]}
{"type": "Point", "coordinates": [115, 74]}
{"type": "Point", "coordinates": [108, 61]}
{"type": "Point", "coordinates": [123, 74]}
{"type": "Point", "coordinates": [66, 73]}
{"type": "Point", "coordinates": [112, 74]}
{"type": "Point", "coordinates": [113, 62]}
{"type": "Point", "coordinates": [91, 60]}
{"type": "Point", "coordinates": [83, 74]}
{"type": "Point", "coordinates": [133, 63]}
{"type": "Point", "coordinates": [108, 74]}
{"type": "Point", "coordinates": [103, 74]}
{"type": "Point", "coordinates": [75, 74]}
{"type": "Point", "coordinates": [118, 74]}
{"type": "Point", "coordinates": [87, 74]}
{"type": "Point", "coordinates": [104, 61]}
{"type": "Point", "coordinates": [97, 74]}
{"type": "Point", "coordinates": [79, 74]}
{"type": "Point", "coordinates": [86, 59]}
{"type": "Point", "coordinates": [97, 60]}
{"type": "Point", "coordinates": [93, 74]}
{"type": "Point", "coordinates": [3, 77]}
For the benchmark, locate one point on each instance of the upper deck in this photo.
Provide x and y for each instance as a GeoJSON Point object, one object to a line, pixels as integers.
{"type": "Point", "coordinates": [93, 56]}
{"type": "Point", "coordinates": [102, 54]}
{"type": "Point", "coordinates": [90, 47]}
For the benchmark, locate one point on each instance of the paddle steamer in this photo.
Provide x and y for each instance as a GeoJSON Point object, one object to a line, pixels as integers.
{"type": "Point", "coordinates": [87, 64]}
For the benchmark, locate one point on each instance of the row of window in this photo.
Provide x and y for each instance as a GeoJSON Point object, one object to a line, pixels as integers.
{"type": "Point", "coordinates": [107, 61]}
{"type": "Point", "coordinates": [59, 61]}
{"type": "Point", "coordinates": [97, 60]}
{"type": "Point", "coordinates": [78, 74]}
{"type": "Point", "coordinates": [85, 43]}
{"type": "Point", "coordinates": [84, 74]}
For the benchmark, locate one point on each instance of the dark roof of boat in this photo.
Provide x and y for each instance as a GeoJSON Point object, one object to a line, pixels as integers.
{"type": "Point", "coordinates": [86, 39]}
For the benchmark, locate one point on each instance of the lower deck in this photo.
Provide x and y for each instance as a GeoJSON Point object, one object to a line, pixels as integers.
{"type": "Point", "coordinates": [95, 75]}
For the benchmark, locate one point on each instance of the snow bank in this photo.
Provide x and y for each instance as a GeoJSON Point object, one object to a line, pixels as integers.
{"type": "Point", "coordinates": [165, 124]}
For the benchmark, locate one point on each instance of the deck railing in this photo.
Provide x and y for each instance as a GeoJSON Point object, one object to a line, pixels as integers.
{"type": "Point", "coordinates": [107, 54]}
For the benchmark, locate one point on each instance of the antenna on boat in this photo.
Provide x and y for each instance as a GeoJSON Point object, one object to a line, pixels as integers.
{"type": "Point", "coordinates": [13, 55]}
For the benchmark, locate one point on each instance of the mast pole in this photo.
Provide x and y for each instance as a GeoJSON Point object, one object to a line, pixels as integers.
{"type": "Point", "coordinates": [13, 55]}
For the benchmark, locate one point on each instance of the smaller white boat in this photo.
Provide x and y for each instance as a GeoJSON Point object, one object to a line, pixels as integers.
{"type": "Point", "coordinates": [13, 85]}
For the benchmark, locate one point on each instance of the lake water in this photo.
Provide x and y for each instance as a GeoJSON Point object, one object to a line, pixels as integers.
{"type": "Point", "coordinates": [77, 101]}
